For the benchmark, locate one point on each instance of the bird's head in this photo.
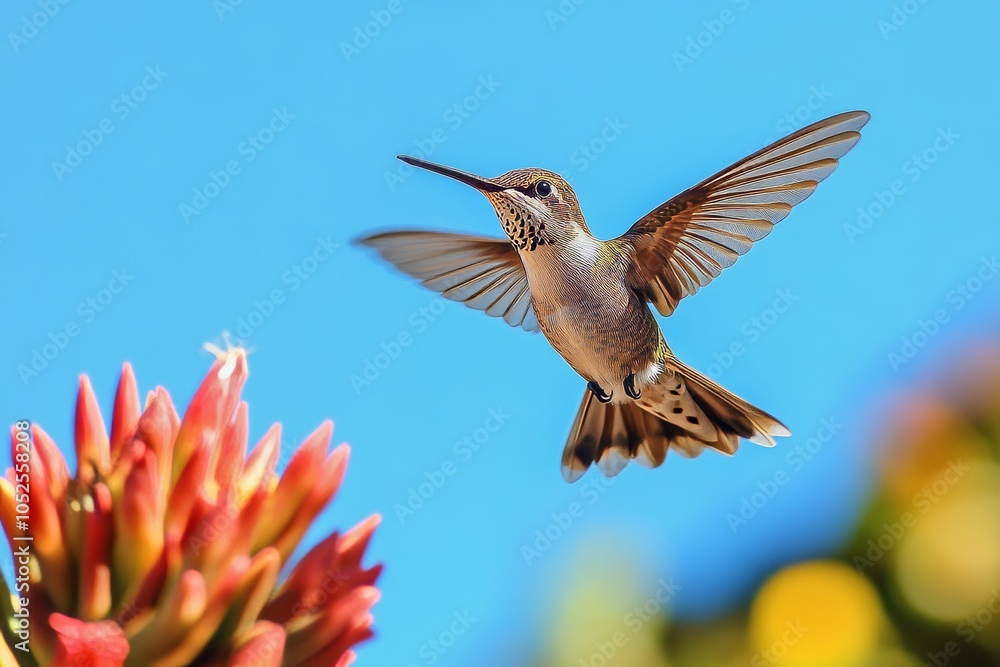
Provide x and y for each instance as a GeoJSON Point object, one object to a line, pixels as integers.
{"type": "Point", "coordinates": [536, 207]}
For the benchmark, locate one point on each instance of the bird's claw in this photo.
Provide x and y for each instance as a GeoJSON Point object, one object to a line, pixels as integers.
{"type": "Point", "coordinates": [598, 392]}
{"type": "Point", "coordinates": [630, 389]}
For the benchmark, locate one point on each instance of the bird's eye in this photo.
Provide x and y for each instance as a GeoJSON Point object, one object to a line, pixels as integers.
{"type": "Point", "coordinates": [543, 188]}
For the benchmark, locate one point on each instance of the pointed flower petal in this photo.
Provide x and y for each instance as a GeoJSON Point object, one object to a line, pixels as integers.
{"type": "Point", "coordinates": [138, 525]}
{"type": "Point", "coordinates": [227, 468]}
{"type": "Point", "coordinates": [298, 480]}
{"type": "Point", "coordinates": [95, 563]}
{"type": "Point", "coordinates": [314, 634]}
{"type": "Point", "coordinates": [126, 412]}
{"type": "Point", "coordinates": [211, 408]}
{"type": "Point", "coordinates": [331, 473]}
{"type": "Point", "coordinates": [92, 451]}
{"type": "Point", "coordinates": [52, 459]}
{"type": "Point", "coordinates": [259, 468]}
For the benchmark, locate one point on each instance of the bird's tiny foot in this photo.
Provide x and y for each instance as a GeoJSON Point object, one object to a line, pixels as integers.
{"type": "Point", "coordinates": [630, 389]}
{"type": "Point", "coordinates": [598, 392]}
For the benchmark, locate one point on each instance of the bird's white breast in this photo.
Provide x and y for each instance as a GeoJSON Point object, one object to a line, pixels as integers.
{"type": "Point", "coordinates": [580, 302]}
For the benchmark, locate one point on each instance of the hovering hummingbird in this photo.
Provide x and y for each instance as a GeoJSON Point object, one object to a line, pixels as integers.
{"type": "Point", "coordinates": [589, 297]}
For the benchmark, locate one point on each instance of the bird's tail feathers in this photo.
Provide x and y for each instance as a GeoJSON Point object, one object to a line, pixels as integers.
{"type": "Point", "coordinates": [684, 410]}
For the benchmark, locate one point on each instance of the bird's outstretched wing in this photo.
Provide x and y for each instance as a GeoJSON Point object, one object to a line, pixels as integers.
{"type": "Point", "coordinates": [483, 273]}
{"type": "Point", "coordinates": [684, 243]}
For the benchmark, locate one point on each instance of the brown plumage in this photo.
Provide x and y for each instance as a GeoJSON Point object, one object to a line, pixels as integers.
{"type": "Point", "coordinates": [589, 297]}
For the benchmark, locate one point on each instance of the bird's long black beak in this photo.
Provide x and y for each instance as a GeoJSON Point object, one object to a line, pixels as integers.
{"type": "Point", "coordinates": [478, 182]}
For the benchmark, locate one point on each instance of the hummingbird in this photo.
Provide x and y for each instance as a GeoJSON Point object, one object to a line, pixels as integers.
{"type": "Point", "coordinates": [591, 298]}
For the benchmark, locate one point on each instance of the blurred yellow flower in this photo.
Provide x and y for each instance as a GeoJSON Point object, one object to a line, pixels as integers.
{"type": "Point", "coordinates": [815, 614]}
{"type": "Point", "coordinates": [610, 616]}
{"type": "Point", "coordinates": [949, 565]}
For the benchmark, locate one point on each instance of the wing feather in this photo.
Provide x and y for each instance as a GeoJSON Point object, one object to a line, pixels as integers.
{"type": "Point", "coordinates": [681, 245]}
{"type": "Point", "coordinates": [483, 273]}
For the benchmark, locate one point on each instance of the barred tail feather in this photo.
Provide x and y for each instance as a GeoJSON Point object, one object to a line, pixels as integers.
{"type": "Point", "coordinates": [685, 411]}
{"type": "Point", "coordinates": [612, 434]}
{"type": "Point", "coordinates": [733, 417]}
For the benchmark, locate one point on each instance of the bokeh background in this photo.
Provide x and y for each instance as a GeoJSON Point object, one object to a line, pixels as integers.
{"type": "Point", "coordinates": [173, 172]}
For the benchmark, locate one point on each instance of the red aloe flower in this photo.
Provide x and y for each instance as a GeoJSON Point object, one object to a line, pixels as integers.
{"type": "Point", "coordinates": [82, 644]}
{"type": "Point", "coordinates": [165, 547]}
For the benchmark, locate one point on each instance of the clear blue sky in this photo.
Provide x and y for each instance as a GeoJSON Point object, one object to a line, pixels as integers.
{"type": "Point", "coordinates": [300, 133]}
